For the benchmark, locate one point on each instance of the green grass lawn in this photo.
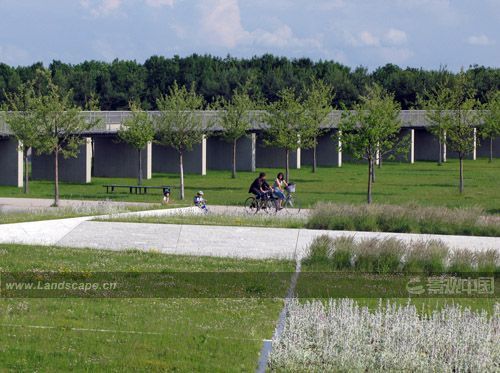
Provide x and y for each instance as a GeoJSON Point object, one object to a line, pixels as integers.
{"type": "Point", "coordinates": [423, 183]}
{"type": "Point", "coordinates": [124, 334]}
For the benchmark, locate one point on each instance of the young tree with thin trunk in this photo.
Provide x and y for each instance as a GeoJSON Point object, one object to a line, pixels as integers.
{"type": "Point", "coordinates": [317, 106]}
{"type": "Point", "coordinates": [60, 125]}
{"type": "Point", "coordinates": [286, 124]}
{"type": "Point", "coordinates": [437, 102]}
{"type": "Point", "coordinates": [22, 122]}
{"type": "Point", "coordinates": [490, 128]}
{"type": "Point", "coordinates": [137, 131]}
{"type": "Point", "coordinates": [463, 119]}
{"type": "Point", "coordinates": [179, 123]}
{"type": "Point", "coordinates": [372, 128]}
{"type": "Point", "coordinates": [234, 117]}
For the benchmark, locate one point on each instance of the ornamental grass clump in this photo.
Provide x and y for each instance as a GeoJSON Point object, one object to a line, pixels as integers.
{"type": "Point", "coordinates": [404, 219]}
{"type": "Point", "coordinates": [427, 257]}
{"type": "Point", "coordinates": [488, 261]}
{"type": "Point", "coordinates": [343, 336]}
{"type": "Point", "coordinates": [379, 256]}
{"type": "Point", "coordinates": [392, 256]}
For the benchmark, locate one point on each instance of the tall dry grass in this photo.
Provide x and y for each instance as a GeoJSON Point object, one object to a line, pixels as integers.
{"type": "Point", "coordinates": [395, 256]}
{"type": "Point", "coordinates": [407, 219]}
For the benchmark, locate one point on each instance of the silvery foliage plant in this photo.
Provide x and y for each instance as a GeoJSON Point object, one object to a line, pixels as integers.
{"type": "Point", "coordinates": [340, 335]}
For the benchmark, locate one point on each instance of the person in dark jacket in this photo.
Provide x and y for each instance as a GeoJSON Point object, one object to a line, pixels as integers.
{"type": "Point", "coordinates": [260, 186]}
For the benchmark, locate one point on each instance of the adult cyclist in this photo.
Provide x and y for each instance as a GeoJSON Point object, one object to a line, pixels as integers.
{"type": "Point", "coordinates": [260, 188]}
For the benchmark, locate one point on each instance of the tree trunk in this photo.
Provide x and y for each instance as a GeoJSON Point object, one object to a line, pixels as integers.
{"type": "Point", "coordinates": [287, 164]}
{"type": "Point", "coordinates": [461, 188]}
{"type": "Point", "coordinates": [26, 187]}
{"type": "Point", "coordinates": [56, 178]}
{"type": "Point", "coordinates": [233, 175]}
{"type": "Point", "coordinates": [139, 175]}
{"type": "Point", "coordinates": [181, 169]}
{"type": "Point", "coordinates": [491, 149]}
{"type": "Point", "coordinates": [369, 193]}
{"type": "Point", "coordinates": [440, 157]}
{"type": "Point", "coordinates": [373, 171]}
{"type": "Point", "coordinates": [315, 164]}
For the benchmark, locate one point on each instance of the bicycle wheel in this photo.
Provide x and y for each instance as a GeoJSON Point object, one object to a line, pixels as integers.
{"type": "Point", "coordinates": [292, 205]}
{"type": "Point", "coordinates": [251, 205]}
{"type": "Point", "coordinates": [268, 206]}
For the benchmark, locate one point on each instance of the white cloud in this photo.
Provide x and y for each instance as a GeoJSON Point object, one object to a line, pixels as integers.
{"type": "Point", "coordinates": [221, 22]}
{"type": "Point", "coordinates": [160, 3]}
{"type": "Point", "coordinates": [395, 55]}
{"type": "Point", "coordinates": [101, 7]}
{"type": "Point", "coordinates": [222, 26]}
{"type": "Point", "coordinates": [368, 39]}
{"type": "Point", "coordinates": [10, 54]}
{"type": "Point", "coordinates": [395, 37]}
{"type": "Point", "coordinates": [481, 40]}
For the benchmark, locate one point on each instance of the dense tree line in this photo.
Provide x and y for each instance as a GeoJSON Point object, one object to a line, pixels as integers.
{"type": "Point", "coordinates": [116, 84]}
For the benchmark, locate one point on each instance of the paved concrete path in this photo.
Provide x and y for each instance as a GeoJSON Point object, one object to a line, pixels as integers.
{"type": "Point", "coordinates": [240, 242]}
{"type": "Point", "coordinates": [27, 204]}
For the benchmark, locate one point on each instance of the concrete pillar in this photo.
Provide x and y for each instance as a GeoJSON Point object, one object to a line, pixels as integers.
{"type": "Point", "coordinates": [11, 162]}
{"type": "Point", "coordinates": [474, 151]}
{"type": "Point", "coordinates": [444, 146]}
{"type": "Point", "coordinates": [71, 170]}
{"type": "Point", "coordinates": [113, 158]}
{"type": "Point", "coordinates": [88, 160]}
{"type": "Point", "coordinates": [339, 147]}
{"type": "Point", "coordinates": [377, 155]}
{"type": "Point", "coordinates": [149, 160]}
{"type": "Point", "coordinates": [412, 146]}
{"type": "Point", "coordinates": [298, 153]}
{"type": "Point", "coordinates": [254, 151]}
{"type": "Point", "coordinates": [204, 155]}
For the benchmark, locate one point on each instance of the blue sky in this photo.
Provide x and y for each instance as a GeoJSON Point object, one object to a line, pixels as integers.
{"type": "Point", "coordinates": [417, 33]}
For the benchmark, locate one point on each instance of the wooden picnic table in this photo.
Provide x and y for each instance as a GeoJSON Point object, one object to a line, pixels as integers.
{"type": "Point", "coordinates": [138, 189]}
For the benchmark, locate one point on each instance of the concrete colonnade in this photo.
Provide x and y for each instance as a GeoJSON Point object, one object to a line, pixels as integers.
{"type": "Point", "coordinates": [105, 156]}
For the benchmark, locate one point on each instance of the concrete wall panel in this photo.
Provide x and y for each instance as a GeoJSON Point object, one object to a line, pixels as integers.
{"type": "Point", "coordinates": [166, 159]}
{"type": "Point", "coordinates": [272, 157]}
{"type": "Point", "coordinates": [72, 170]}
{"type": "Point", "coordinates": [219, 154]}
{"type": "Point", "coordinates": [483, 150]}
{"type": "Point", "coordinates": [11, 162]}
{"type": "Point", "coordinates": [117, 159]}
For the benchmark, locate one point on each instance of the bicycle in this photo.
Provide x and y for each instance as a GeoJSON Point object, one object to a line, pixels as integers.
{"type": "Point", "coordinates": [291, 204]}
{"type": "Point", "coordinates": [253, 205]}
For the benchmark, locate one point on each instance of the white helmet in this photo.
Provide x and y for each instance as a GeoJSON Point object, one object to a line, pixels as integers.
{"type": "Point", "coordinates": [200, 193]}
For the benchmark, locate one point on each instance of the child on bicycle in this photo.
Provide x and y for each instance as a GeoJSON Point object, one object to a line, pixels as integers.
{"type": "Point", "coordinates": [200, 202]}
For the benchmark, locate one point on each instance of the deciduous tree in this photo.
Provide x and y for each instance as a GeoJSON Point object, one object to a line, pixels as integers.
{"type": "Point", "coordinates": [137, 131]}
{"type": "Point", "coordinates": [23, 124]}
{"type": "Point", "coordinates": [317, 106]}
{"type": "Point", "coordinates": [286, 124]}
{"type": "Point", "coordinates": [462, 120]}
{"type": "Point", "coordinates": [179, 123]}
{"type": "Point", "coordinates": [490, 128]}
{"type": "Point", "coordinates": [235, 119]}
{"type": "Point", "coordinates": [372, 129]}
{"type": "Point", "coordinates": [60, 126]}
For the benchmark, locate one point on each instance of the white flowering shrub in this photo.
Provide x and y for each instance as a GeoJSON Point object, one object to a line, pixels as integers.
{"type": "Point", "coordinates": [343, 336]}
